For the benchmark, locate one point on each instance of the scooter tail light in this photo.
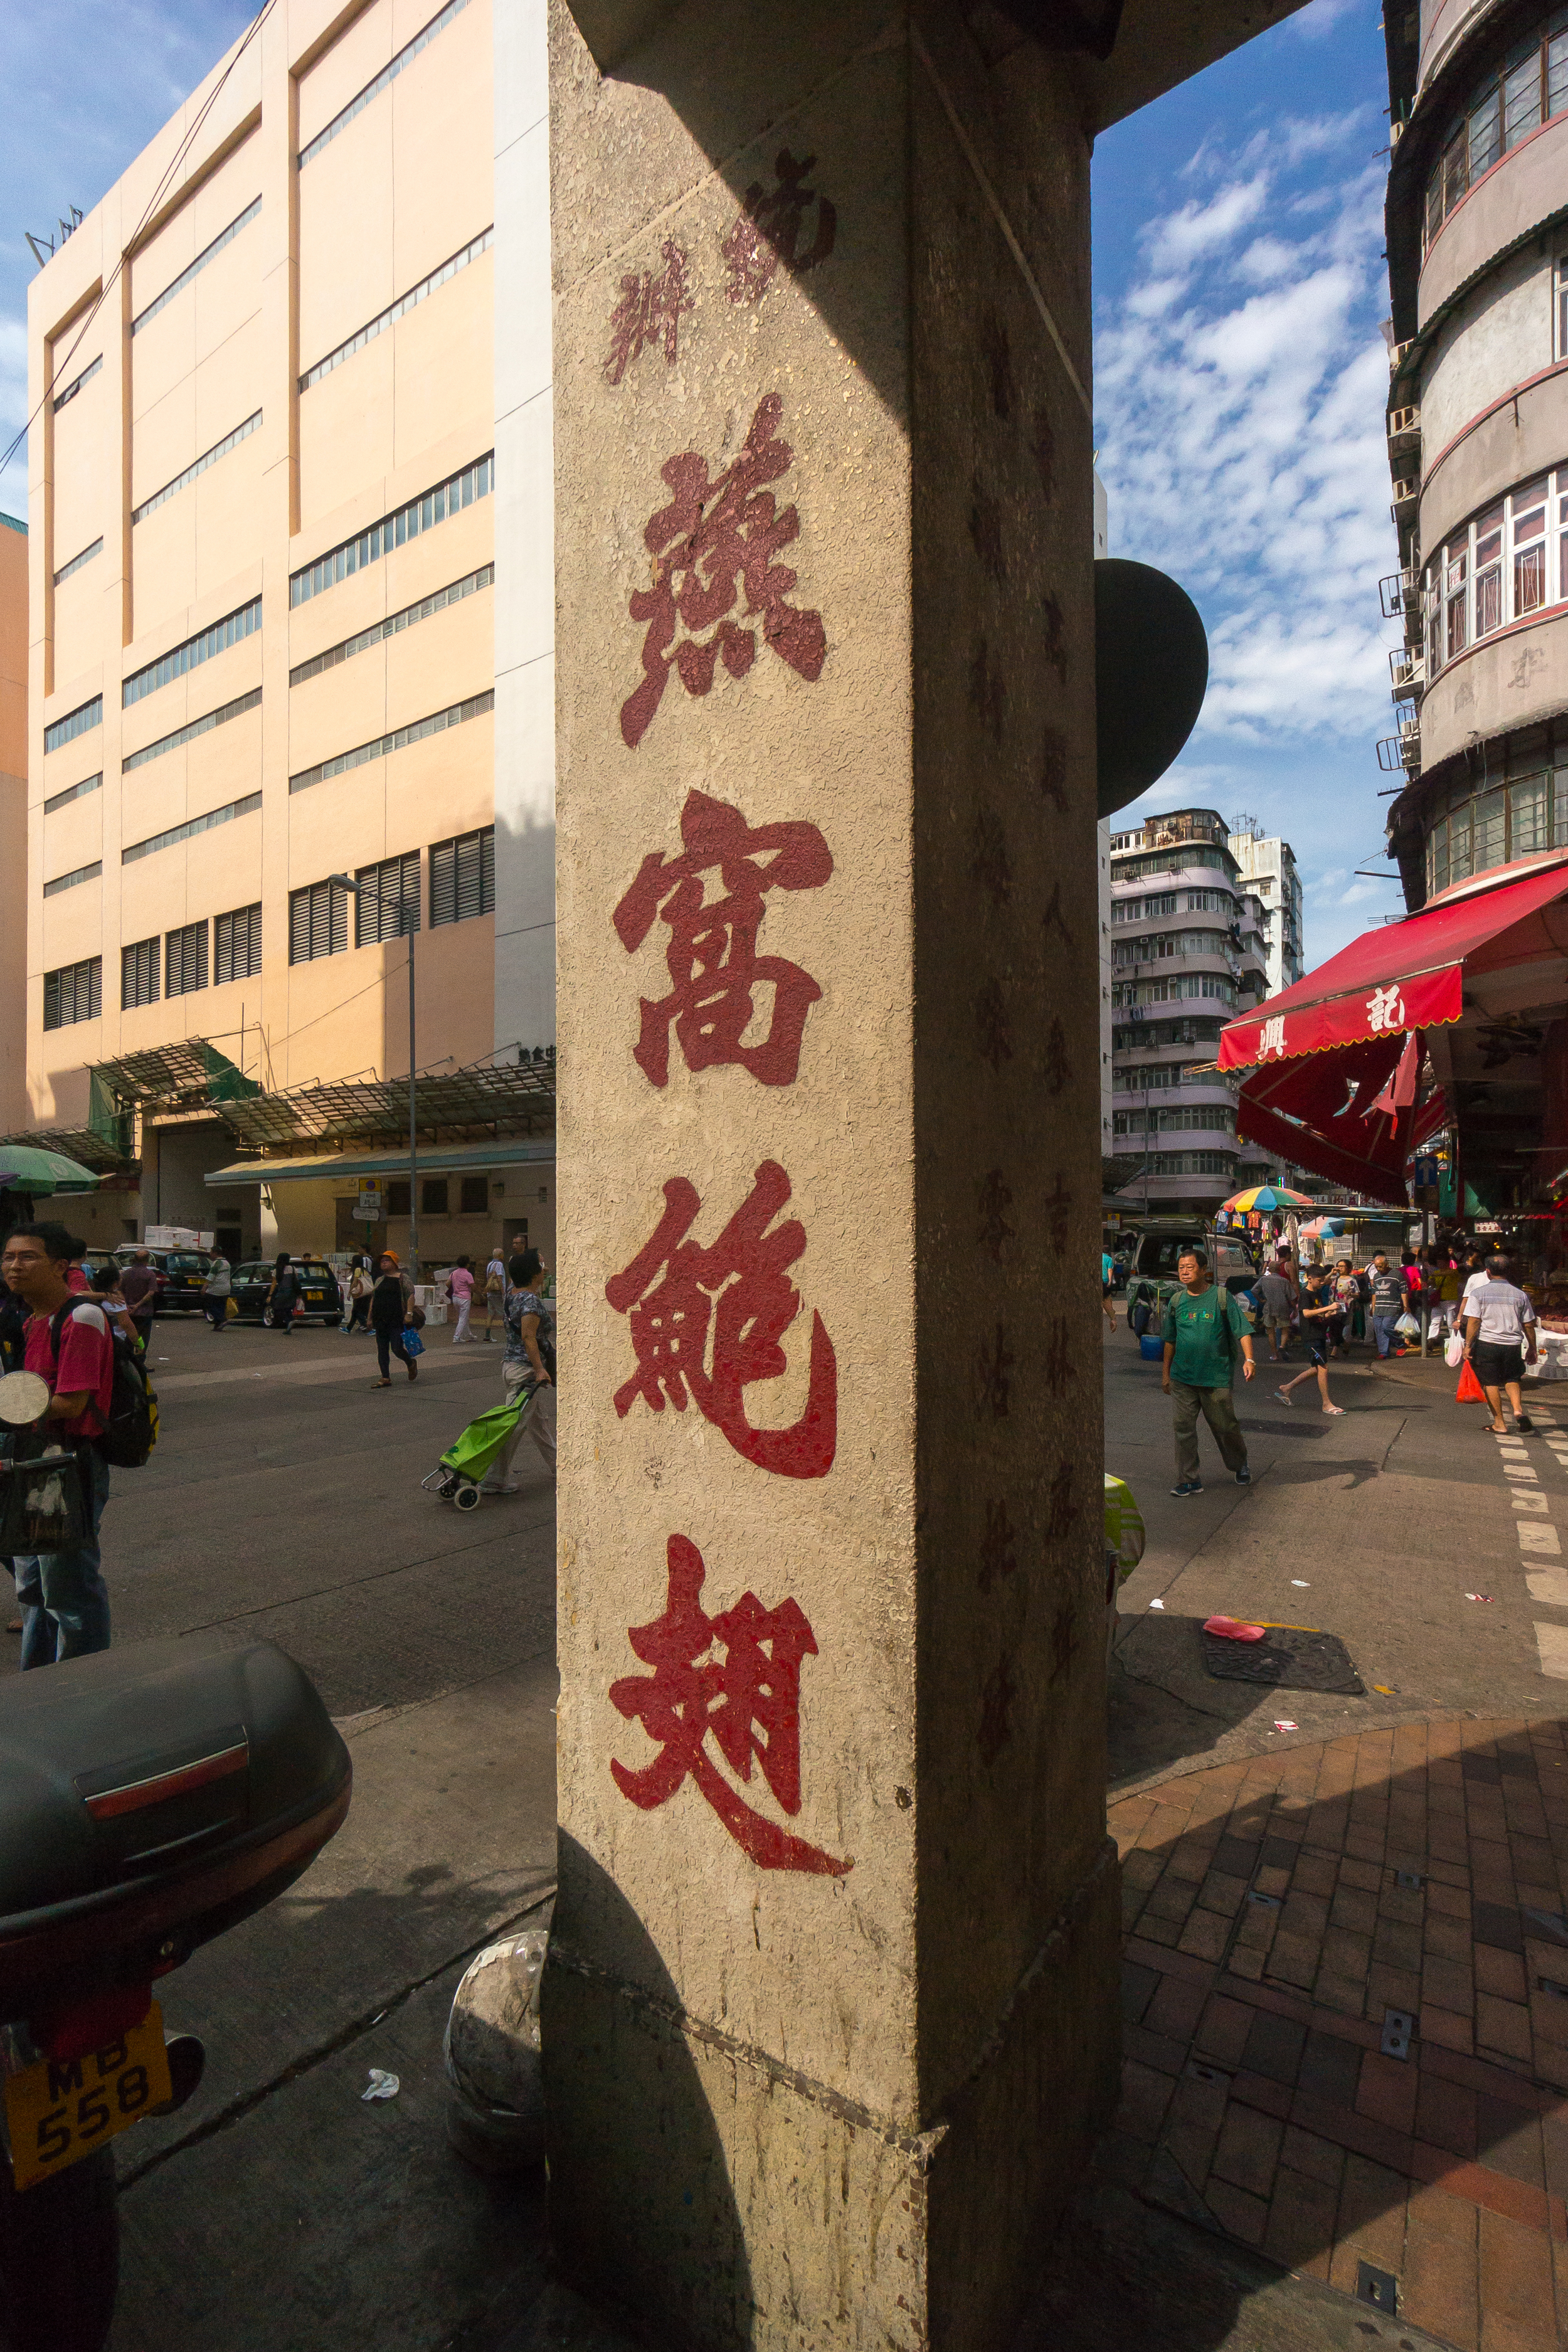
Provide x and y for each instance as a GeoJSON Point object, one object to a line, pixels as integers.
{"type": "Point", "coordinates": [63, 2034]}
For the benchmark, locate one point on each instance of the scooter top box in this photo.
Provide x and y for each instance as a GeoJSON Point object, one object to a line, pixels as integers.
{"type": "Point", "coordinates": [151, 1797]}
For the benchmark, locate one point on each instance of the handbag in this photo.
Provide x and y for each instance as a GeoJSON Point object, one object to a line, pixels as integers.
{"type": "Point", "coordinates": [42, 1506]}
{"type": "Point", "coordinates": [413, 1344]}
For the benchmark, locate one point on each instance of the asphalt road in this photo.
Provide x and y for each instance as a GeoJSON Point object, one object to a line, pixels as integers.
{"type": "Point", "coordinates": [1376, 1528]}
{"type": "Point", "coordinates": [278, 2210]}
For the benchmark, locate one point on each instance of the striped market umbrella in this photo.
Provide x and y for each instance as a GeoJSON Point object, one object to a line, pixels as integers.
{"type": "Point", "coordinates": [1266, 1198]}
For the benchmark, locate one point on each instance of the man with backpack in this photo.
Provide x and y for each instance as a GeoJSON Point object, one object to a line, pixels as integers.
{"type": "Point", "coordinates": [65, 1607]}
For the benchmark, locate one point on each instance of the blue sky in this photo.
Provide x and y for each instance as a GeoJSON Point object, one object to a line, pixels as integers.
{"type": "Point", "coordinates": [1239, 375]}
{"type": "Point", "coordinates": [1240, 382]}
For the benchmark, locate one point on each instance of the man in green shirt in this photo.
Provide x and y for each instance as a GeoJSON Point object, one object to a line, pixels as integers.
{"type": "Point", "coordinates": [1203, 1327]}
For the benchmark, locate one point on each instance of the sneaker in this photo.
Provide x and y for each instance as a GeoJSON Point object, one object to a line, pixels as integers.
{"type": "Point", "coordinates": [1193, 1486]}
{"type": "Point", "coordinates": [1244, 1478]}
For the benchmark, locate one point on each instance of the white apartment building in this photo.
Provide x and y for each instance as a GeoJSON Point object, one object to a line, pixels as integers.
{"type": "Point", "coordinates": [1268, 864]}
{"type": "Point", "coordinates": [1187, 955]}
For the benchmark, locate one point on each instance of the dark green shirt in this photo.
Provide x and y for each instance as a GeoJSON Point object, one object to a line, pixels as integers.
{"type": "Point", "coordinates": [1205, 1348]}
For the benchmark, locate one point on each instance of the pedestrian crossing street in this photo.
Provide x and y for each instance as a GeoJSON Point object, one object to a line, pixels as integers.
{"type": "Point", "coordinates": [1536, 1494]}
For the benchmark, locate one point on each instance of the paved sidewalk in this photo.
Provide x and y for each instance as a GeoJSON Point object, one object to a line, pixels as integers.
{"type": "Point", "coordinates": [1277, 1907]}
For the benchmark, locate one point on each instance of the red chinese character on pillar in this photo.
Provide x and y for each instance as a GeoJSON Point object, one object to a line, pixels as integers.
{"type": "Point", "coordinates": [768, 229]}
{"type": "Point", "coordinates": [712, 549]}
{"type": "Point", "coordinates": [709, 1320]}
{"type": "Point", "coordinates": [713, 952]}
{"type": "Point", "coordinates": [748, 1700]}
{"type": "Point", "coordinates": [649, 311]}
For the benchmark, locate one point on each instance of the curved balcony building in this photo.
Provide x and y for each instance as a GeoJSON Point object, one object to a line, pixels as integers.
{"type": "Point", "coordinates": [1477, 436]}
{"type": "Point", "coordinates": [1188, 951]}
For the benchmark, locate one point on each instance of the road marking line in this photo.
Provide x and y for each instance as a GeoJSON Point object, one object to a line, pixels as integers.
{"type": "Point", "coordinates": [1552, 1641]}
{"type": "Point", "coordinates": [1522, 1470]}
{"type": "Point", "coordinates": [1522, 1501]}
{"type": "Point", "coordinates": [1548, 1585]}
{"type": "Point", "coordinates": [1537, 1539]}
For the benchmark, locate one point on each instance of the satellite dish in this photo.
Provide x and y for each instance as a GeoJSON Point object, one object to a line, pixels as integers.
{"type": "Point", "coordinates": [1151, 673]}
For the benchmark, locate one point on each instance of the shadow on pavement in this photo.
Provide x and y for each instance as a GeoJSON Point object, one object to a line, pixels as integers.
{"type": "Point", "coordinates": [1152, 1725]}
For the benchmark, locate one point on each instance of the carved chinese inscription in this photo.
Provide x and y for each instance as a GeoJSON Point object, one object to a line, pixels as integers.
{"type": "Point", "coordinates": [770, 227]}
{"type": "Point", "coordinates": [649, 312]}
{"type": "Point", "coordinates": [712, 551]}
{"type": "Point", "coordinates": [732, 1679]}
{"type": "Point", "coordinates": [707, 1322]}
{"type": "Point", "coordinates": [712, 958]}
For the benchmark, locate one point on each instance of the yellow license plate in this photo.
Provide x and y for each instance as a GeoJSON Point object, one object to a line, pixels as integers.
{"type": "Point", "coordinates": [315, 1297]}
{"type": "Point", "coordinates": [58, 2113]}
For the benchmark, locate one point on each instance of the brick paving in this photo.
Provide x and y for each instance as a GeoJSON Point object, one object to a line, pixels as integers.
{"type": "Point", "coordinates": [1275, 1910]}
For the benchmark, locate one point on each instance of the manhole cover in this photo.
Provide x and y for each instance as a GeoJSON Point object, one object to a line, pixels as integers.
{"type": "Point", "coordinates": [1288, 1658]}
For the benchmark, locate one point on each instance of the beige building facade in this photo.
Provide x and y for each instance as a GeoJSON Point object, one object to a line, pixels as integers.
{"type": "Point", "coordinates": [277, 411]}
{"type": "Point", "coordinates": [13, 810]}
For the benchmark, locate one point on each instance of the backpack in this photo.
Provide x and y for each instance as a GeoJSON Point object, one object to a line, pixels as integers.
{"type": "Point", "coordinates": [131, 1427]}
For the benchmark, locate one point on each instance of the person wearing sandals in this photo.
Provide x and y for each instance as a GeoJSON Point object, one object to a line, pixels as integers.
{"type": "Point", "coordinates": [1323, 1317]}
{"type": "Point", "coordinates": [1499, 1339]}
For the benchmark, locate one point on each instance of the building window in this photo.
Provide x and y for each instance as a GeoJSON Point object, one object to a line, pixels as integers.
{"type": "Point", "coordinates": [237, 941]}
{"type": "Point", "coordinates": [1523, 813]}
{"type": "Point", "coordinates": [1560, 308]}
{"type": "Point", "coordinates": [193, 651]}
{"type": "Point", "coordinates": [208, 253]}
{"type": "Point", "coordinates": [394, 625]}
{"type": "Point", "coordinates": [249, 806]}
{"type": "Point", "coordinates": [72, 881]}
{"type": "Point", "coordinates": [202, 726]}
{"type": "Point", "coordinates": [383, 81]}
{"type": "Point", "coordinates": [1511, 562]}
{"type": "Point", "coordinates": [433, 1196]}
{"type": "Point", "coordinates": [77, 561]}
{"type": "Point", "coordinates": [208, 458]}
{"type": "Point", "coordinates": [317, 921]}
{"type": "Point", "coordinates": [139, 975]}
{"type": "Point", "coordinates": [186, 960]}
{"type": "Point", "coordinates": [398, 310]}
{"type": "Point", "coordinates": [456, 715]}
{"type": "Point", "coordinates": [1513, 101]}
{"type": "Point", "coordinates": [75, 722]}
{"type": "Point", "coordinates": [398, 1197]}
{"type": "Point", "coordinates": [421, 514]}
{"type": "Point", "coordinates": [74, 793]}
{"type": "Point", "coordinates": [463, 876]}
{"type": "Point", "coordinates": [74, 993]}
{"type": "Point", "coordinates": [387, 907]}
{"type": "Point", "coordinates": [475, 1195]}
{"type": "Point", "coordinates": [76, 384]}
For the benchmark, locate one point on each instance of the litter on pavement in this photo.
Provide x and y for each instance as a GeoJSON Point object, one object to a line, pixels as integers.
{"type": "Point", "coordinates": [1231, 1629]}
{"type": "Point", "coordinates": [1302, 1583]}
{"type": "Point", "coordinates": [382, 2085]}
{"type": "Point", "coordinates": [1157, 1604]}
{"type": "Point", "coordinates": [1478, 1596]}
{"type": "Point", "coordinates": [1283, 1723]}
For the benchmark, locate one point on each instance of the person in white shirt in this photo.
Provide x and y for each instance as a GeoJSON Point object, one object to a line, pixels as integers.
{"type": "Point", "coordinates": [1500, 1338]}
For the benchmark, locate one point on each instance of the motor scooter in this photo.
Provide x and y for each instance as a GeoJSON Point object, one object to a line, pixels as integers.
{"type": "Point", "coordinates": [151, 1799]}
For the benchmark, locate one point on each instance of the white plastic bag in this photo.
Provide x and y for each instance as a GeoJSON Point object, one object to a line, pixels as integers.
{"type": "Point", "coordinates": [1454, 1353]}
{"type": "Point", "coordinates": [1408, 1327]}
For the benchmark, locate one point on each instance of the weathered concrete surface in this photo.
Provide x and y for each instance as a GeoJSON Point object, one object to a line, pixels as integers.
{"type": "Point", "coordinates": [798, 2104]}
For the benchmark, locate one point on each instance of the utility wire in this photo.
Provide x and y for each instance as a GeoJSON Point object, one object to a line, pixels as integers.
{"type": "Point", "coordinates": [153, 201]}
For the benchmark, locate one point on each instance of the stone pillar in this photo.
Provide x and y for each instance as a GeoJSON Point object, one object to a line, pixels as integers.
{"type": "Point", "coordinates": [831, 2017]}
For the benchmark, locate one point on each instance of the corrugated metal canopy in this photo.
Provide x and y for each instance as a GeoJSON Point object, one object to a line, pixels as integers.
{"type": "Point", "coordinates": [517, 1098]}
{"type": "Point", "coordinates": [439, 1159]}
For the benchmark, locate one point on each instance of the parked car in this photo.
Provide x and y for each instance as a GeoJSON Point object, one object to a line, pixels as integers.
{"type": "Point", "coordinates": [181, 1276]}
{"type": "Point", "coordinates": [320, 1298]}
{"type": "Point", "coordinates": [1152, 1278]}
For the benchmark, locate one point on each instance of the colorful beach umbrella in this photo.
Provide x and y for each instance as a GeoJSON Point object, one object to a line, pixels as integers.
{"type": "Point", "coordinates": [1267, 1198]}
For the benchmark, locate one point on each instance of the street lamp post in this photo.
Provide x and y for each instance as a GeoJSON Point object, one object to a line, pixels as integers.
{"type": "Point", "coordinates": [407, 929]}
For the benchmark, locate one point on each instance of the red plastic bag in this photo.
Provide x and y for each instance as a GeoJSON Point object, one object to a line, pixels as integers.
{"type": "Point", "coordinates": [1469, 1390]}
{"type": "Point", "coordinates": [1231, 1629]}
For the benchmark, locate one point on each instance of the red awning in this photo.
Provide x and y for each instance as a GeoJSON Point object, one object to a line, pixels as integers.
{"type": "Point", "coordinates": [1408, 975]}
